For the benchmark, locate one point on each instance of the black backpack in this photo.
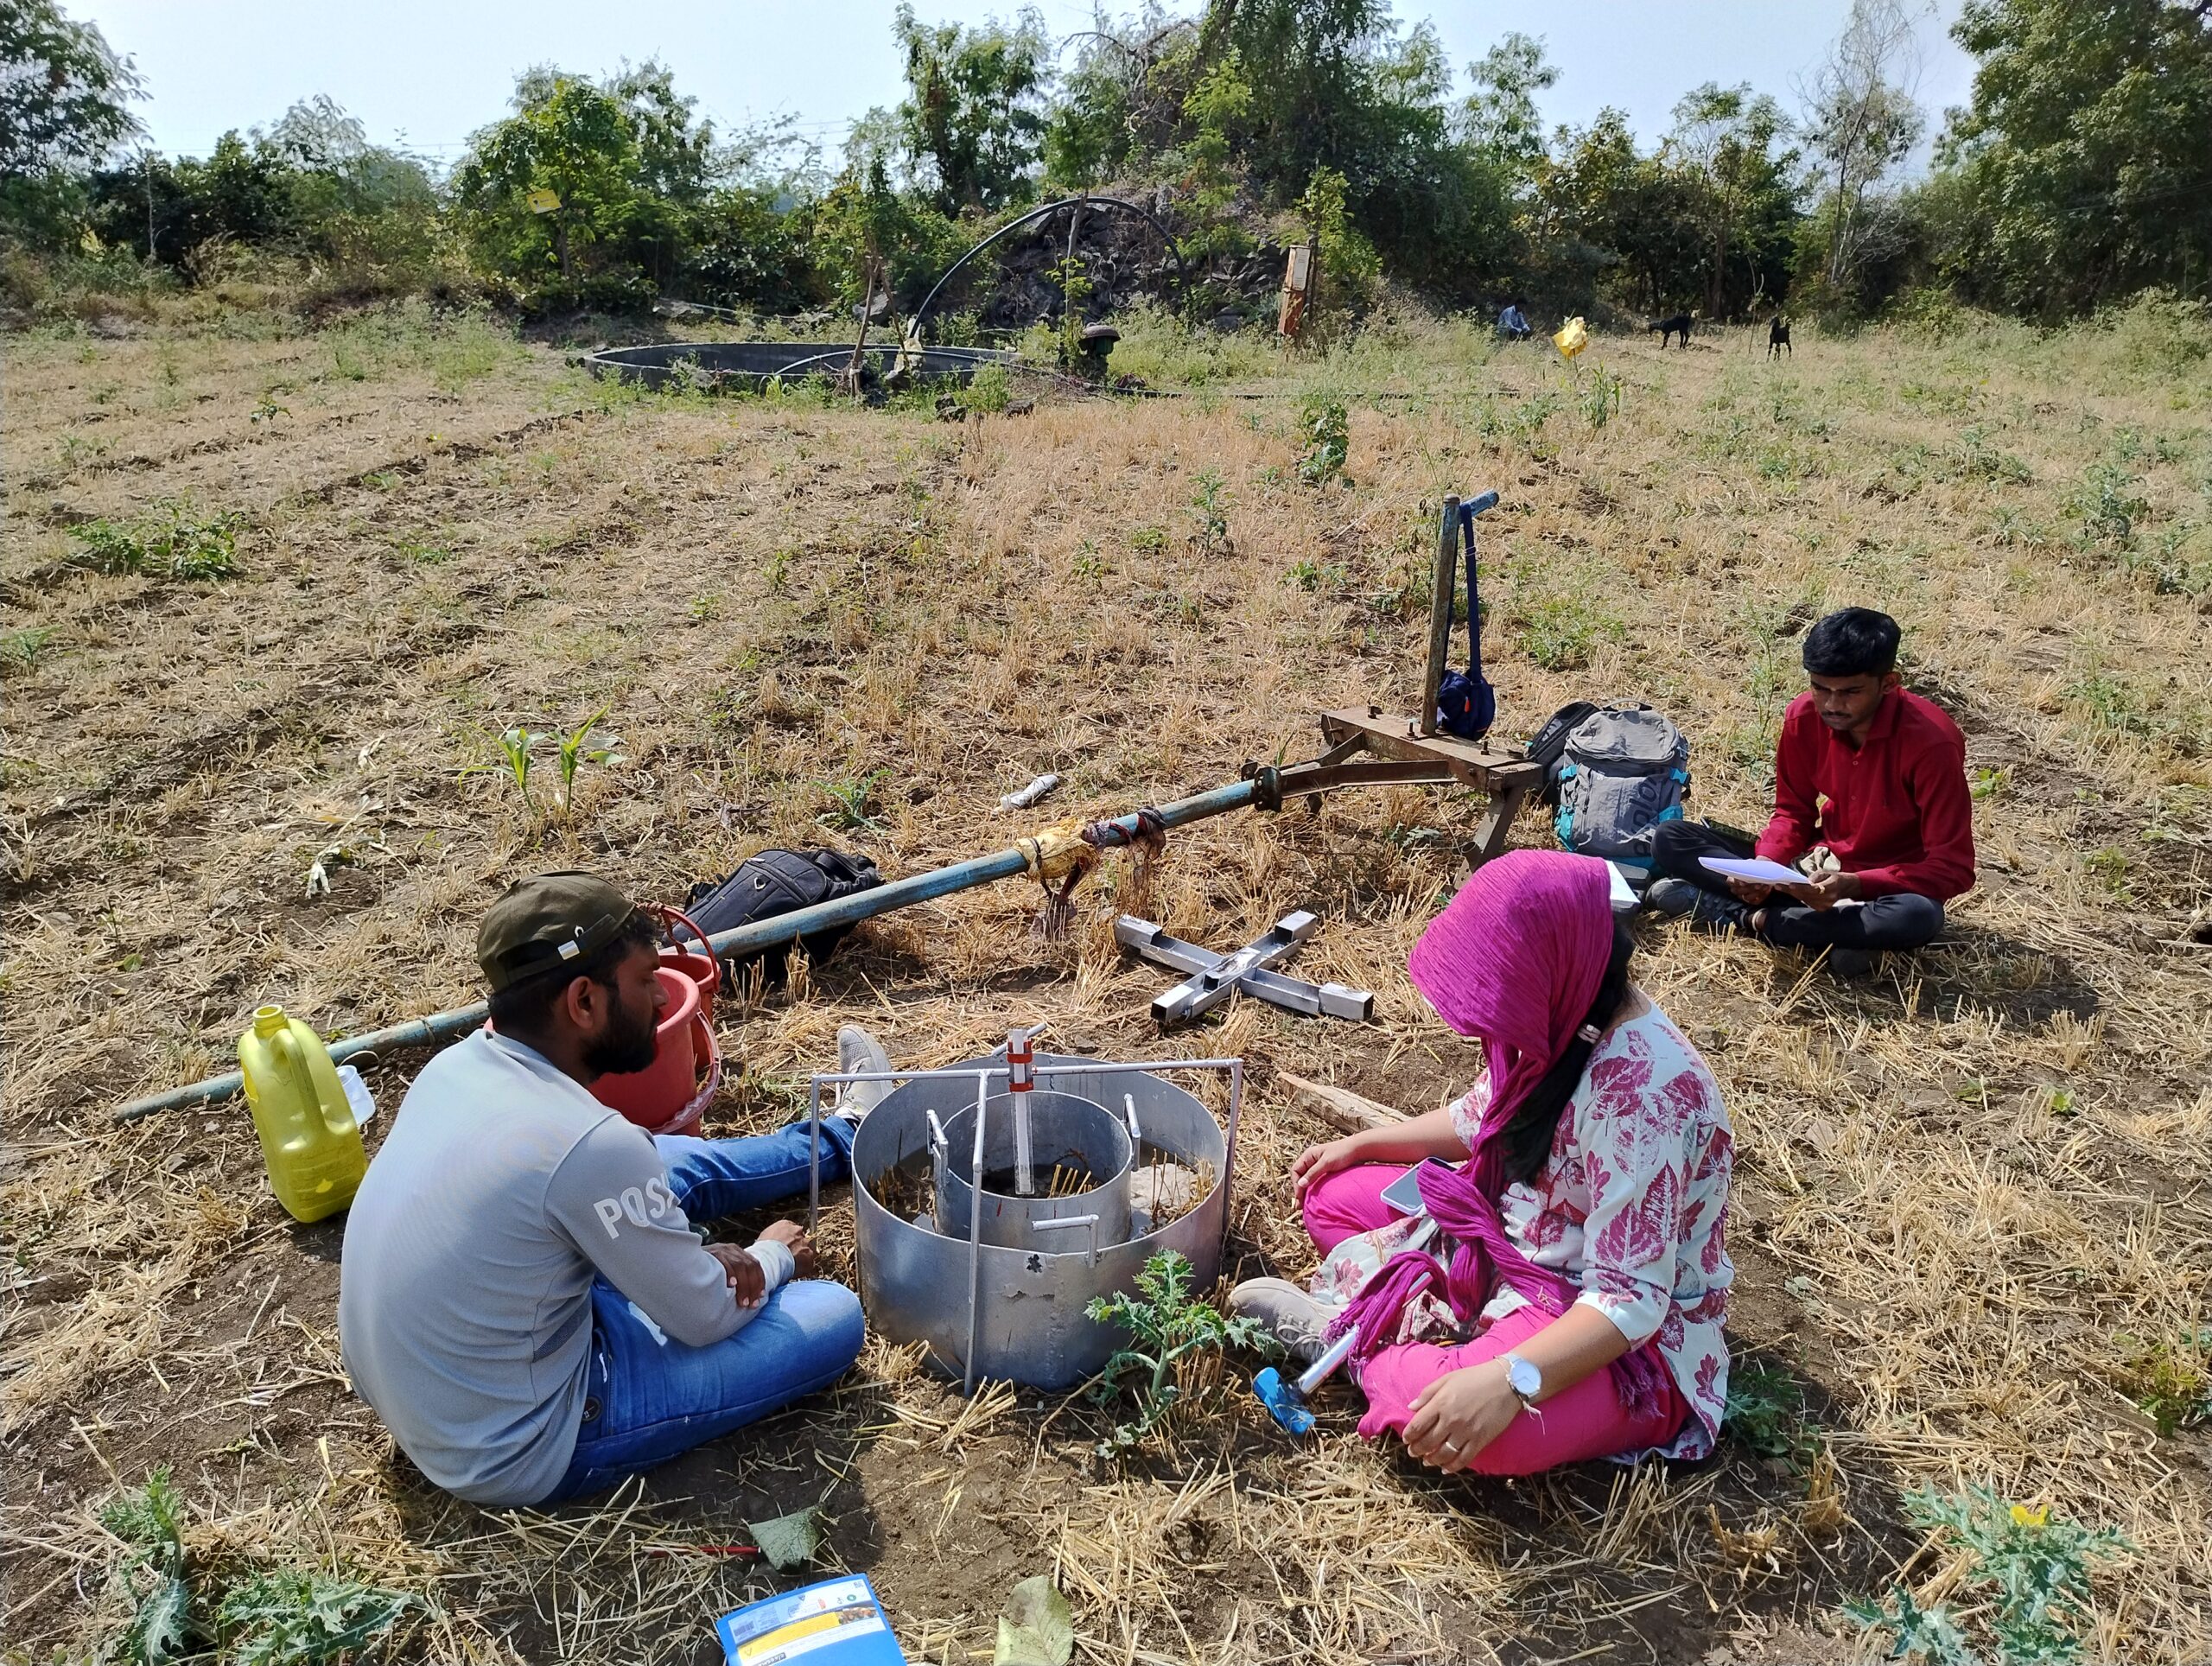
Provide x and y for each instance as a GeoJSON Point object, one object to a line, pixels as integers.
{"type": "Point", "coordinates": [778, 882]}
{"type": "Point", "coordinates": [1549, 744]}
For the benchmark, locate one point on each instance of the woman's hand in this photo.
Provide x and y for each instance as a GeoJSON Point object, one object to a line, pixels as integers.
{"type": "Point", "coordinates": [1317, 1162]}
{"type": "Point", "coordinates": [1459, 1414]}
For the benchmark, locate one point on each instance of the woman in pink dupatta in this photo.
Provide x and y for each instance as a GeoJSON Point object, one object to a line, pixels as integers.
{"type": "Point", "coordinates": [1571, 1305]}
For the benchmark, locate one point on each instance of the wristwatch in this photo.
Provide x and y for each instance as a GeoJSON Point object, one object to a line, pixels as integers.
{"type": "Point", "coordinates": [1525, 1380]}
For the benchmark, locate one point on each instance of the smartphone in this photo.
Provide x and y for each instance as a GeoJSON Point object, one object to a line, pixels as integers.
{"type": "Point", "coordinates": [1403, 1194]}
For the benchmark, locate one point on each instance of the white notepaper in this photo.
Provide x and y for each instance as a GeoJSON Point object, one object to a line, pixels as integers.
{"type": "Point", "coordinates": [1623, 898]}
{"type": "Point", "coordinates": [1757, 869]}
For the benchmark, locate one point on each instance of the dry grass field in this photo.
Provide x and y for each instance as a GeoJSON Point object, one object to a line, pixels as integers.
{"type": "Point", "coordinates": [1973, 1227]}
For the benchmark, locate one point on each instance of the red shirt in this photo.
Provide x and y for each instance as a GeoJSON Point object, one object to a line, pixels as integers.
{"type": "Point", "coordinates": [1895, 810]}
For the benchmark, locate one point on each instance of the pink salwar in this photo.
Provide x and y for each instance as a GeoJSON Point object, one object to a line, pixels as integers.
{"type": "Point", "coordinates": [1575, 1425]}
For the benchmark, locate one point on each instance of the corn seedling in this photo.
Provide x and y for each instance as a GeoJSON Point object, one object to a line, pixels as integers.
{"type": "Point", "coordinates": [151, 1523]}
{"type": "Point", "coordinates": [19, 649]}
{"type": "Point", "coordinates": [515, 746]}
{"type": "Point", "coordinates": [1170, 1330]}
{"type": "Point", "coordinates": [2030, 1579]}
{"type": "Point", "coordinates": [1600, 399]}
{"type": "Point", "coordinates": [575, 755]}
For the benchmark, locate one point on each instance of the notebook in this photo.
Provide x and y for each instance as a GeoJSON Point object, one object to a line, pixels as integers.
{"type": "Point", "coordinates": [835, 1622]}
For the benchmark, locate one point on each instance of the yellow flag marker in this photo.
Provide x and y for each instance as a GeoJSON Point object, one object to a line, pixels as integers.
{"type": "Point", "coordinates": [1572, 339]}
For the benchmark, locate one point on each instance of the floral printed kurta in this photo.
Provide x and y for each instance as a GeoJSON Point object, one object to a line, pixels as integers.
{"type": "Point", "coordinates": [1632, 1205]}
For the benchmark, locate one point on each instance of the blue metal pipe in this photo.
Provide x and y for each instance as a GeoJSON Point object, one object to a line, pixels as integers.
{"type": "Point", "coordinates": [742, 940]}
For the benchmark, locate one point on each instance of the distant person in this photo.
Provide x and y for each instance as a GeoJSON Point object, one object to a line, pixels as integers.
{"type": "Point", "coordinates": [1870, 801]}
{"type": "Point", "coordinates": [522, 1298]}
{"type": "Point", "coordinates": [1511, 325]}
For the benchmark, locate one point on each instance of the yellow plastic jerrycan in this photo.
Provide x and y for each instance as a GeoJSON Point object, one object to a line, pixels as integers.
{"type": "Point", "coordinates": [309, 1139]}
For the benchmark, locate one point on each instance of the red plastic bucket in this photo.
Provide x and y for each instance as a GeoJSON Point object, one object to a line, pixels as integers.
{"type": "Point", "coordinates": [697, 963]}
{"type": "Point", "coordinates": [670, 1095]}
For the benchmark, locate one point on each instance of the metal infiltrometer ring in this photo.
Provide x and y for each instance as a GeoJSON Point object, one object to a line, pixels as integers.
{"type": "Point", "coordinates": [1024, 1320]}
{"type": "Point", "coordinates": [1076, 1134]}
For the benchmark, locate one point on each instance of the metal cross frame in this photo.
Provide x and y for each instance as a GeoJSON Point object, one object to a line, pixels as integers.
{"type": "Point", "coordinates": [1215, 977]}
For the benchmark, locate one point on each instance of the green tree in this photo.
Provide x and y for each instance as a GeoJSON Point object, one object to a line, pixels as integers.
{"type": "Point", "coordinates": [1730, 146]}
{"type": "Point", "coordinates": [973, 121]}
{"type": "Point", "coordinates": [566, 138]}
{"type": "Point", "coordinates": [1612, 220]}
{"type": "Point", "coordinates": [357, 204]}
{"type": "Point", "coordinates": [65, 98]}
{"type": "Point", "coordinates": [1502, 120]}
{"type": "Point", "coordinates": [2083, 153]}
{"type": "Point", "coordinates": [177, 211]}
{"type": "Point", "coordinates": [1861, 123]}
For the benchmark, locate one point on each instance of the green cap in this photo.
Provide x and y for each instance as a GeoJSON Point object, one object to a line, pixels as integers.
{"type": "Point", "coordinates": [546, 920]}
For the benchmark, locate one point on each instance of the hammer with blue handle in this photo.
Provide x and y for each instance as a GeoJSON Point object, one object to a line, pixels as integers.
{"type": "Point", "coordinates": [1286, 1401]}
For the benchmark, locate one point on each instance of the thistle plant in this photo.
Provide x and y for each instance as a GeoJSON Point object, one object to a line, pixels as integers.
{"type": "Point", "coordinates": [292, 1617]}
{"type": "Point", "coordinates": [2030, 1579]}
{"type": "Point", "coordinates": [282, 1617]}
{"type": "Point", "coordinates": [151, 1523]}
{"type": "Point", "coordinates": [1170, 1330]}
{"type": "Point", "coordinates": [849, 803]}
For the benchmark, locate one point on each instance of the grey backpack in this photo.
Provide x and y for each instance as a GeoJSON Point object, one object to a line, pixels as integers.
{"type": "Point", "coordinates": [1625, 770]}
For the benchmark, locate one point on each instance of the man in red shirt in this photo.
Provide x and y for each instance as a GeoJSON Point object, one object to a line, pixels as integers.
{"type": "Point", "coordinates": [1871, 775]}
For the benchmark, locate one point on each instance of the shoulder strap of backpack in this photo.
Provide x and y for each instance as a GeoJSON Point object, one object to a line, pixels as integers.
{"type": "Point", "coordinates": [1468, 511]}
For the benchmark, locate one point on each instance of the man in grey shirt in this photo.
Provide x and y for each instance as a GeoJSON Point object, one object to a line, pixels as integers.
{"type": "Point", "coordinates": [522, 1299]}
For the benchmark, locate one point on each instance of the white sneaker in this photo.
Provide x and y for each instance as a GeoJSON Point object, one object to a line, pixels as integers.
{"type": "Point", "coordinates": [859, 1051]}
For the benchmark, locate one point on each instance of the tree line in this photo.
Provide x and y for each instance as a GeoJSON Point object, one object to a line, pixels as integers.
{"type": "Point", "coordinates": [2078, 174]}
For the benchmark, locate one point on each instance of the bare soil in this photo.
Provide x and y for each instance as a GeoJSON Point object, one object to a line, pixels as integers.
{"type": "Point", "coordinates": [1967, 1185]}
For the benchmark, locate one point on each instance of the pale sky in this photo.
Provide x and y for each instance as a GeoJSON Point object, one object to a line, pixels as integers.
{"type": "Point", "coordinates": [429, 73]}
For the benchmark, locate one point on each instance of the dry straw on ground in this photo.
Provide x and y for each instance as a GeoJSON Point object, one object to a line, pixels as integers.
{"type": "Point", "coordinates": [1960, 1183]}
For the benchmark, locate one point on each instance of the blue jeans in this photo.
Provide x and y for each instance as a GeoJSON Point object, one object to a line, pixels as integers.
{"type": "Point", "coordinates": [648, 1397]}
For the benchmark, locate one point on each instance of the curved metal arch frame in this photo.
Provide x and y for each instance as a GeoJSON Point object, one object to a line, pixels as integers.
{"type": "Point", "coordinates": [1182, 267]}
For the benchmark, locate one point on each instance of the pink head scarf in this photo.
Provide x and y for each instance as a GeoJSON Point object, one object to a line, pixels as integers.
{"type": "Point", "coordinates": [1515, 958]}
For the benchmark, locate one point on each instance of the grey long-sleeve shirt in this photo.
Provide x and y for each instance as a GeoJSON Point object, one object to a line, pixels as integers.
{"type": "Point", "coordinates": [464, 1304]}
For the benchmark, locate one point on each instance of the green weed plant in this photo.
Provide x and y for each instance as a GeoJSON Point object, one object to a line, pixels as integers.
{"type": "Point", "coordinates": [150, 1523]}
{"type": "Point", "coordinates": [176, 540]}
{"type": "Point", "coordinates": [1327, 431]}
{"type": "Point", "coordinates": [2028, 1589]}
{"type": "Point", "coordinates": [1169, 1327]}
{"type": "Point", "coordinates": [296, 1618]}
{"type": "Point", "coordinates": [2170, 1379]}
